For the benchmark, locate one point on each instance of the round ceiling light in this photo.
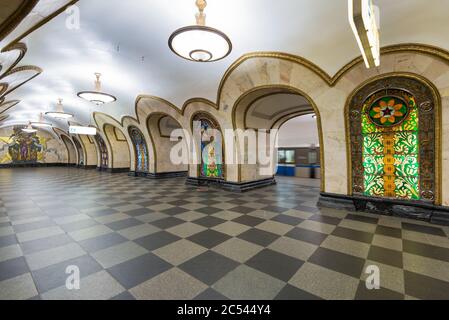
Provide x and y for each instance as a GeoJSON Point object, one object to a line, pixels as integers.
{"type": "Point", "coordinates": [41, 123]}
{"type": "Point", "coordinates": [198, 42]}
{"type": "Point", "coordinates": [29, 129]}
{"type": "Point", "coordinates": [59, 113]}
{"type": "Point", "coordinates": [97, 97]}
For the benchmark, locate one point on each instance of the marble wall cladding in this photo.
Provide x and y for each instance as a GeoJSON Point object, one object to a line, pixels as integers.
{"type": "Point", "coordinates": [330, 100]}
{"type": "Point", "coordinates": [90, 150]}
{"type": "Point", "coordinates": [73, 157]}
{"type": "Point", "coordinates": [164, 146]}
{"type": "Point", "coordinates": [119, 147]}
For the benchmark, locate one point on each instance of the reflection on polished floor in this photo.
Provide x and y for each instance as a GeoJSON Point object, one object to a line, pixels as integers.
{"type": "Point", "coordinates": [135, 238]}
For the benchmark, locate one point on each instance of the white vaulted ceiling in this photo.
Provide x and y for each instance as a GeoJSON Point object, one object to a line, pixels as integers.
{"type": "Point", "coordinates": [127, 42]}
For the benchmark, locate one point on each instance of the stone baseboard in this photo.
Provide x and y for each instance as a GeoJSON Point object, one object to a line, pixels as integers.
{"type": "Point", "coordinates": [231, 186]}
{"type": "Point", "coordinates": [391, 207]}
{"type": "Point", "coordinates": [88, 167]}
{"type": "Point", "coordinates": [167, 175]}
{"type": "Point", "coordinates": [35, 165]}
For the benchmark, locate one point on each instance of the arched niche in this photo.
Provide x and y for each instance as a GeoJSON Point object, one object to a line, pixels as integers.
{"type": "Point", "coordinates": [160, 126]}
{"type": "Point", "coordinates": [80, 151]}
{"type": "Point", "coordinates": [141, 160]}
{"type": "Point", "coordinates": [103, 155]}
{"type": "Point", "coordinates": [210, 146]}
{"type": "Point", "coordinates": [393, 125]}
{"type": "Point", "coordinates": [120, 158]}
{"type": "Point", "coordinates": [71, 150]}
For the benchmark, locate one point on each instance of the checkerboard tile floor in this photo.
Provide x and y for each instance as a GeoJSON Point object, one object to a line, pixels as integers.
{"type": "Point", "coordinates": [134, 238]}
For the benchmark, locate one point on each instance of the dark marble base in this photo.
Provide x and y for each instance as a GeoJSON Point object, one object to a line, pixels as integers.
{"type": "Point", "coordinates": [231, 186]}
{"type": "Point", "coordinates": [35, 165]}
{"type": "Point", "coordinates": [167, 175]}
{"type": "Point", "coordinates": [160, 175]}
{"type": "Point", "coordinates": [392, 207]}
{"type": "Point", "coordinates": [117, 170]}
{"type": "Point", "coordinates": [88, 167]}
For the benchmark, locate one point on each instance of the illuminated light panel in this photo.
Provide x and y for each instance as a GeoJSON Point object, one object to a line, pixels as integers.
{"type": "Point", "coordinates": [89, 131]}
{"type": "Point", "coordinates": [364, 21]}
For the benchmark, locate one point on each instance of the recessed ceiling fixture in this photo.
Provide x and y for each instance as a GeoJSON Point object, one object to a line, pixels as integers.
{"type": "Point", "coordinates": [198, 42]}
{"type": "Point", "coordinates": [29, 129]}
{"type": "Point", "coordinates": [97, 97]}
{"type": "Point", "coordinates": [41, 123]}
{"type": "Point", "coordinates": [364, 21]}
{"type": "Point", "coordinates": [59, 113]}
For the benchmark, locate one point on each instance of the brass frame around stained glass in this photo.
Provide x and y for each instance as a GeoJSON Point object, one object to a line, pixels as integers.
{"type": "Point", "coordinates": [428, 134]}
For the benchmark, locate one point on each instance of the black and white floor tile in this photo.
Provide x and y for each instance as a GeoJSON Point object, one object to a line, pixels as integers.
{"type": "Point", "coordinates": [134, 238]}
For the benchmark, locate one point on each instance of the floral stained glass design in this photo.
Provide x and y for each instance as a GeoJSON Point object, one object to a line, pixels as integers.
{"type": "Point", "coordinates": [140, 148]}
{"type": "Point", "coordinates": [390, 129]}
{"type": "Point", "coordinates": [103, 152]}
{"type": "Point", "coordinates": [211, 152]}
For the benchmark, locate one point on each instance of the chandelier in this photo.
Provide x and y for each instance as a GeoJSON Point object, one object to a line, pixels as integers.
{"type": "Point", "coordinates": [97, 97]}
{"type": "Point", "coordinates": [29, 129]}
{"type": "Point", "coordinates": [198, 42]}
{"type": "Point", "coordinates": [59, 113]}
{"type": "Point", "coordinates": [41, 123]}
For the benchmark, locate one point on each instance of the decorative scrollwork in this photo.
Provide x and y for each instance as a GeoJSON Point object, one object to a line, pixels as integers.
{"type": "Point", "coordinates": [426, 106]}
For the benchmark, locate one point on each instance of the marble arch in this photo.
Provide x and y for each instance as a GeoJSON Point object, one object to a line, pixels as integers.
{"type": "Point", "coordinates": [117, 142]}
{"type": "Point", "coordinates": [330, 94]}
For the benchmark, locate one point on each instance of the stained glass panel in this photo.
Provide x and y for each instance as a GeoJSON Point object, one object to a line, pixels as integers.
{"type": "Point", "coordinates": [104, 159]}
{"type": "Point", "coordinates": [211, 151]}
{"type": "Point", "coordinates": [140, 148]}
{"type": "Point", "coordinates": [391, 146]}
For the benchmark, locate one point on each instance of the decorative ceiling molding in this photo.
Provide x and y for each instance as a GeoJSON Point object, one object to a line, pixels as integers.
{"type": "Point", "coordinates": [11, 56]}
{"type": "Point", "coordinates": [331, 80]}
{"type": "Point", "coordinates": [3, 117]}
{"type": "Point", "coordinates": [18, 77]}
{"type": "Point", "coordinates": [8, 105]}
{"type": "Point", "coordinates": [16, 16]}
{"type": "Point", "coordinates": [42, 12]}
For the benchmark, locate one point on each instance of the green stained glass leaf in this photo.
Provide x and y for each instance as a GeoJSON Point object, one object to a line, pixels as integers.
{"type": "Point", "coordinates": [373, 144]}
{"type": "Point", "coordinates": [406, 142]}
{"type": "Point", "coordinates": [407, 187]}
{"type": "Point", "coordinates": [374, 185]}
{"type": "Point", "coordinates": [373, 165]}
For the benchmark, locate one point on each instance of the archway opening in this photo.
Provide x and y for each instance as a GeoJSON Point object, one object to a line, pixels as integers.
{"type": "Point", "coordinates": [298, 151]}
{"type": "Point", "coordinates": [293, 124]}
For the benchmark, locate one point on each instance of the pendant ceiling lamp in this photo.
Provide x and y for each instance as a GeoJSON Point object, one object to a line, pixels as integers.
{"type": "Point", "coordinates": [29, 129]}
{"type": "Point", "coordinates": [59, 113]}
{"type": "Point", "coordinates": [41, 123]}
{"type": "Point", "coordinates": [198, 42]}
{"type": "Point", "coordinates": [97, 97]}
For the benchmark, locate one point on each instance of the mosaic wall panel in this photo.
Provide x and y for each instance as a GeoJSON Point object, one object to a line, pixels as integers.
{"type": "Point", "coordinates": [211, 148]}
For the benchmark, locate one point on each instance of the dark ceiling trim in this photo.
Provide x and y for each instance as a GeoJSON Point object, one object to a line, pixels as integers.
{"type": "Point", "coordinates": [16, 17]}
